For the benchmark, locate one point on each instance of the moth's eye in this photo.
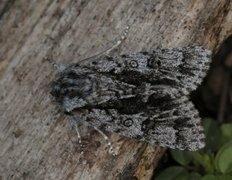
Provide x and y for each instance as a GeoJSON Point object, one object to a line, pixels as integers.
{"type": "Point", "coordinates": [133, 64]}
{"type": "Point", "coordinates": [128, 122]}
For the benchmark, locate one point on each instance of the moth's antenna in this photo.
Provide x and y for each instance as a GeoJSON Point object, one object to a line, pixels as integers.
{"type": "Point", "coordinates": [58, 67]}
{"type": "Point", "coordinates": [107, 51]}
{"type": "Point", "coordinates": [123, 37]}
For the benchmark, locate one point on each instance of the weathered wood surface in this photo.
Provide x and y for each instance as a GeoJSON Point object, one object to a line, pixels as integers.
{"type": "Point", "coordinates": [35, 139]}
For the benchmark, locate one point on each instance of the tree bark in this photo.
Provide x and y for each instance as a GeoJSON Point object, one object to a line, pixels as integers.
{"type": "Point", "coordinates": [35, 139]}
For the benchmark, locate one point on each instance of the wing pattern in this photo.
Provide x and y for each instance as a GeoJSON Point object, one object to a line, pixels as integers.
{"type": "Point", "coordinates": [142, 95]}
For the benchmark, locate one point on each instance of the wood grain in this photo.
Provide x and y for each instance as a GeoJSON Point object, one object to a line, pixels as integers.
{"type": "Point", "coordinates": [35, 139]}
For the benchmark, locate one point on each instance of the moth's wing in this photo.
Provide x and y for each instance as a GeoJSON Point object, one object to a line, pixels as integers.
{"type": "Point", "coordinates": [187, 66]}
{"type": "Point", "coordinates": [175, 125]}
{"type": "Point", "coordinates": [182, 68]}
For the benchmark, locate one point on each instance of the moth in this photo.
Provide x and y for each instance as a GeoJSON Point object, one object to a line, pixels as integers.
{"type": "Point", "coordinates": [144, 95]}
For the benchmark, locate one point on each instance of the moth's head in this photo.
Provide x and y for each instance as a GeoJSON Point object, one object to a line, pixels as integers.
{"type": "Point", "coordinates": [71, 87]}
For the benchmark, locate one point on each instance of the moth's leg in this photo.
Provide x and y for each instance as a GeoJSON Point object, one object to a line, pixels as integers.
{"type": "Point", "coordinates": [74, 124]}
{"type": "Point", "coordinates": [107, 51]}
{"type": "Point", "coordinates": [109, 143]}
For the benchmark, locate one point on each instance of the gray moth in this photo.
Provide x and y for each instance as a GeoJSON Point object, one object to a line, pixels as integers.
{"type": "Point", "coordinates": [142, 95]}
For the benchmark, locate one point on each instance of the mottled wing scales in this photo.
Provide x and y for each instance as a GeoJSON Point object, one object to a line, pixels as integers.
{"type": "Point", "coordinates": [174, 128]}
{"type": "Point", "coordinates": [182, 68]}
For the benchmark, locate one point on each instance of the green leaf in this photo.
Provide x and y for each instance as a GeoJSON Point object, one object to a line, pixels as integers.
{"type": "Point", "coordinates": [182, 157]}
{"type": "Point", "coordinates": [223, 158]}
{"type": "Point", "coordinates": [182, 176]}
{"type": "Point", "coordinates": [225, 177]}
{"type": "Point", "coordinates": [205, 160]}
{"type": "Point", "coordinates": [209, 177]}
{"type": "Point", "coordinates": [227, 130]}
{"type": "Point", "coordinates": [194, 176]}
{"type": "Point", "coordinates": [226, 133]}
{"type": "Point", "coordinates": [171, 173]}
{"type": "Point", "coordinates": [216, 177]}
{"type": "Point", "coordinates": [213, 135]}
